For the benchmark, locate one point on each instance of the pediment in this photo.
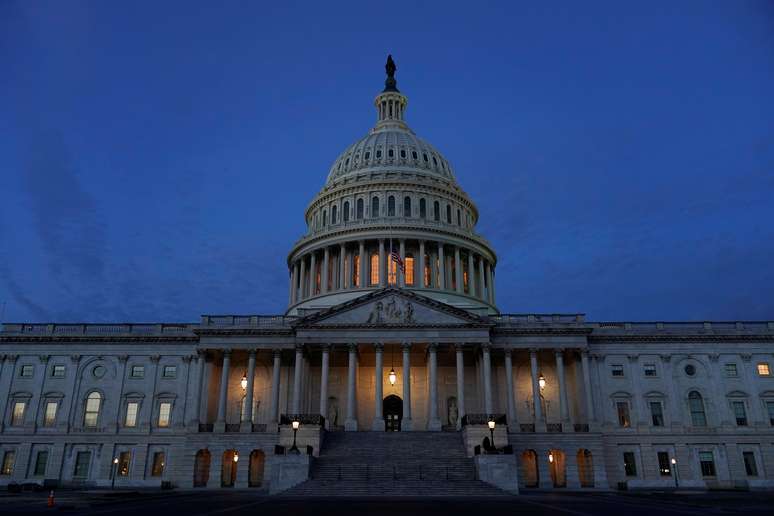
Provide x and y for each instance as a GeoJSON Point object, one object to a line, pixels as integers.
{"type": "Point", "coordinates": [392, 307]}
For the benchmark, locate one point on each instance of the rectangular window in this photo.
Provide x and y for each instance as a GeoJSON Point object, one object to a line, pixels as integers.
{"type": "Point", "coordinates": [770, 410]}
{"type": "Point", "coordinates": [27, 371]}
{"type": "Point", "coordinates": [138, 371]}
{"type": "Point", "coordinates": [630, 465]}
{"type": "Point", "coordinates": [656, 413]}
{"type": "Point", "coordinates": [8, 460]}
{"type": "Point", "coordinates": [131, 414]}
{"type": "Point", "coordinates": [650, 369]}
{"type": "Point", "coordinates": [623, 414]}
{"type": "Point", "coordinates": [41, 461]}
{"type": "Point", "coordinates": [82, 460]}
{"type": "Point", "coordinates": [164, 411]}
{"type": "Point", "coordinates": [749, 464]}
{"type": "Point", "coordinates": [123, 464]}
{"type": "Point", "coordinates": [356, 270]}
{"type": "Point", "coordinates": [58, 371]}
{"type": "Point", "coordinates": [664, 466]}
{"type": "Point", "coordinates": [616, 370]}
{"type": "Point", "coordinates": [17, 418]}
{"type": "Point", "coordinates": [739, 413]}
{"type": "Point", "coordinates": [731, 371]}
{"type": "Point", "coordinates": [374, 269]}
{"type": "Point", "coordinates": [50, 416]}
{"type": "Point", "coordinates": [409, 265]}
{"type": "Point", "coordinates": [169, 371]}
{"type": "Point", "coordinates": [763, 369]}
{"type": "Point", "coordinates": [158, 464]}
{"type": "Point", "coordinates": [707, 463]}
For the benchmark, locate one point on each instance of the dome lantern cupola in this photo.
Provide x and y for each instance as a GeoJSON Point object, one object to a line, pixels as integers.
{"type": "Point", "coordinates": [390, 103]}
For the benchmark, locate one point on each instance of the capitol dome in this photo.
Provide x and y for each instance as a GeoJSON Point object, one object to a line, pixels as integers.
{"type": "Point", "coordinates": [391, 194]}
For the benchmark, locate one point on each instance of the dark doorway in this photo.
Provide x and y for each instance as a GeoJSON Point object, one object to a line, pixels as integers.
{"type": "Point", "coordinates": [392, 409]}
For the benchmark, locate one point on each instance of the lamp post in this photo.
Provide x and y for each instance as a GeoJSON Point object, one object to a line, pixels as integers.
{"type": "Point", "coordinates": [674, 468]}
{"type": "Point", "coordinates": [294, 448]}
{"type": "Point", "coordinates": [113, 476]}
{"type": "Point", "coordinates": [491, 425]}
{"type": "Point", "coordinates": [392, 377]}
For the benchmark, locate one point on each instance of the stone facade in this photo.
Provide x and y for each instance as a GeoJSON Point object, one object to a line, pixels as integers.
{"type": "Point", "coordinates": [581, 405]}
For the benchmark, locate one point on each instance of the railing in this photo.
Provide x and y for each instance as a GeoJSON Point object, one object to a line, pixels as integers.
{"type": "Point", "coordinates": [251, 321]}
{"type": "Point", "coordinates": [416, 472]}
{"type": "Point", "coordinates": [539, 318]}
{"type": "Point", "coordinates": [679, 326]}
{"type": "Point", "coordinates": [581, 427]}
{"type": "Point", "coordinates": [483, 419]}
{"type": "Point", "coordinates": [555, 428]}
{"type": "Point", "coordinates": [100, 329]}
{"type": "Point", "coordinates": [527, 428]}
{"type": "Point", "coordinates": [303, 419]}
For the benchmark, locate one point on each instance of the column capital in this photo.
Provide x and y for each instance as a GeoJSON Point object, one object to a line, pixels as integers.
{"type": "Point", "coordinates": [352, 347]}
{"type": "Point", "coordinates": [251, 352]}
{"type": "Point", "coordinates": [666, 358]}
{"type": "Point", "coordinates": [73, 358]}
{"type": "Point", "coordinates": [486, 347]}
{"type": "Point", "coordinates": [155, 358]}
{"type": "Point", "coordinates": [585, 352]}
{"type": "Point", "coordinates": [460, 346]}
{"type": "Point", "coordinates": [533, 351]}
{"type": "Point", "coordinates": [633, 358]}
{"type": "Point", "coordinates": [559, 353]}
{"type": "Point", "coordinates": [276, 352]}
{"type": "Point", "coordinates": [227, 353]}
{"type": "Point", "coordinates": [378, 347]}
{"type": "Point", "coordinates": [325, 347]}
{"type": "Point", "coordinates": [299, 348]}
{"type": "Point", "coordinates": [406, 346]}
{"type": "Point", "coordinates": [187, 359]}
{"type": "Point", "coordinates": [44, 358]}
{"type": "Point", "coordinates": [432, 347]}
{"type": "Point", "coordinates": [508, 352]}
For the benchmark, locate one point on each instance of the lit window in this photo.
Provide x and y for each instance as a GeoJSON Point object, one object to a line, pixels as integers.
{"type": "Point", "coordinates": [374, 269]}
{"type": "Point", "coordinates": [707, 463]}
{"type": "Point", "coordinates": [750, 466]}
{"type": "Point", "coordinates": [158, 464]}
{"type": "Point", "coordinates": [41, 460]}
{"type": "Point", "coordinates": [731, 371]}
{"type": "Point", "coordinates": [49, 418]}
{"type": "Point", "coordinates": [164, 411]}
{"type": "Point", "coordinates": [616, 370]}
{"type": "Point", "coordinates": [392, 272]}
{"type": "Point", "coordinates": [409, 270]}
{"type": "Point", "coordinates": [656, 413]}
{"type": "Point", "coordinates": [123, 463]}
{"type": "Point", "coordinates": [17, 418]}
{"type": "Point", "coordinates": [763, 369]}
{"type": "Point", "coordinates": [131, 414]}
{"type": "Point", "coordinates": [8, 461]}
{"type": "Point", "coordinates": [664, 465]}
{"type": "Point", "coordinates": [137, 371]}
{"type": "Point", "coordinates": [169, 371]}
{"type": "Point", "coordinates": [623, 414]}
{"type": "Point", "coordinates": [356, 270]}
{"type": "Point", "coordinates": [92, 410]}
{"type": "Point", "coordinates": [58, 371]}
{"type": "Point", "coordinates": [740, 414]}
{"type": "Point", "coordinates": [630, 465]}
{"type": "Point", "coordinates": [649, 369]}
{"type": "Point", "coordinates": [696, 405]}
{"type": "Point", "coordinates": [26, 371]}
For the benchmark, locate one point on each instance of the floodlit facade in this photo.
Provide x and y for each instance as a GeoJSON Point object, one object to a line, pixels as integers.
{"type": "Point", "coordinates": [369, 346]}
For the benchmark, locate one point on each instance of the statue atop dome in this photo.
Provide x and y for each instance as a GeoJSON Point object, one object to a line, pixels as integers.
{"type": "Point", "coordinates": [390, 84]}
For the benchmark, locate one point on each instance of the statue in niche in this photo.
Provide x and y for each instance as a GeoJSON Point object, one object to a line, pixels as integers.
{"type": "Point", "coordinates": [376, 314]}
{"type": "Point", "coordinates": [452, 411]}
{"type": "Point", "coordinates": [333, 412]}
{"type": "Point", "coordinates": [409, 313]}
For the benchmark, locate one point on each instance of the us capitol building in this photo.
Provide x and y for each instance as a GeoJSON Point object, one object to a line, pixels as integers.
{"type": "Point", "coordinates": [396, 366]}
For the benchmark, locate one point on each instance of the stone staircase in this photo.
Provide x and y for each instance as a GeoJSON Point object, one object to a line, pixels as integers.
{"type": "Point", "coordinates": [389, 464]}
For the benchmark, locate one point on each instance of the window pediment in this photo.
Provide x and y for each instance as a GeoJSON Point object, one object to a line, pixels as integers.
{"type": "Point", "coordinates": [737, 394]}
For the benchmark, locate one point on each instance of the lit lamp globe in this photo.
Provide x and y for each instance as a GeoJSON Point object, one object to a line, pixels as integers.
{"type": "Point", "coordinates": [392, 377]}
{"type": "Point", "coordinates": [295, 425]}
{"type": "Point", "coordinates": [542, 381]}
{"type": "Point", "coordinates": [243, 382]}
{"type": "Point", "coordinates": [236, 457]}
{"type": "Point", "coordinates": [551, 457]}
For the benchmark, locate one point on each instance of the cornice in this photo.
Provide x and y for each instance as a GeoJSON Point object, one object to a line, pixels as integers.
{"type": "Point", "coordinates": [97, 338]}
{"type": "Point", "coordinates": [683, 338]}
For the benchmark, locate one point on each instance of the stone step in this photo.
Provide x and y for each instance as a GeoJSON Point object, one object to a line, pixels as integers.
{"type": "Point", "coordinates": [460, 488]}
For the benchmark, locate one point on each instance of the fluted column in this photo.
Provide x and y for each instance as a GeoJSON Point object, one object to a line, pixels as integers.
{"type": "Point", "coordinates": [324, 272]}
{"type": "Point", "coordinates": [419, 275]}
{"type": "Point", "coordinates": [342, 268]}
{"type": "Point", "coordinates": [433, 421]}
{"type": "Point", "coordinates": [509, 386]}
{"type": "Point", "coordinates": [481, 281]}
{"type": "Point", "coordinates": [406, 424]}
{"type": "Point", "coordinates": [587, 387]}
{"type": "Point", "coordinates": [297, 369]}
{"type": "Point", "coordinates": [539, 422]}
{"type": "Point", "coordinates": [471, 275]}
{"type": "Point", "coordinates": [402, 275]}
{"type": "Point", "coordinates": [382, 265]}
{"type": "Point", "coordinates": [302, 281]}
{"type": "Point", "coordinates": [489, 284]}
{"type": "Point", "coordinates": [324, 383]}
{"type": "Point", "coordinates": [247, 416]}
{"type": "Point", "coordinates": [564, 408]}
{"type": "Point", "coordinates": [487, 363]}
{"type": "Point", "coordinates": [460, 384]}
{"type": "Point", "coordinates": [201, 416]}
{"type": "Point", "coordinates": [378, 424]}
{"type": "Point", "coordinates": [292, 281]}
{"type": "Point", "coordinates": [275, 385]}
{"type": "Point", "coordinates": [223, 394]}
{"type": "Point", "coordinates": [313, 274]}
{"type": "Point", "coordinates": [441, 267]}
{"type": "Point", "coordinates": [459, 287]}
{"type": "Point", "coordinates": [363, 266]}
{"type": "Point", "coordinates": [350, 424]}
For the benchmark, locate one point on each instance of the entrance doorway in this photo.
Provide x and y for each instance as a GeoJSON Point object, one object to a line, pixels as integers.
{"type": "Point", "coordinates": [392, 408]}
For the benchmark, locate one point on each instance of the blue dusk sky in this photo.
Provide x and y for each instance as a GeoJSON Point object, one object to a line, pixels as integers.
{"type": "Point", "coordinates": [156, 158]}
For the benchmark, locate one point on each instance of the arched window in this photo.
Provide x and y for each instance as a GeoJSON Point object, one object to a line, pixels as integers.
{"type": "Point", "coordinates": [391, 206]}
{"type": "Point", "coordinates": [459, 219]}
{"type": "Point", "coordinates": [93, 402]}
{"type": "Point", "coordinates": [346, 211]}
{"type": "Point", "coordinates": [448, 213]}
{"type": "Point", "coordinates": [375, 207]}
{"type": "Point", "coordinates": [403, 153]}
{"type": "Point", "coordinates": [409, 270]}
{"type": "Point", "coordinates": [325, 217]}
{"type": "Point", "coordinates": [356, 270]}
{"type": "Point", "coordinates": [334, 214]}
{"type": "Point", "coordinates": [414, 154]}
{"type": "Point", "coordinates": [426, 272]}
{"type": "Point", "coordinates": [374, 269]}
{"type": "Point", "coordinates": [359, 214]}
{"type": "Point", "coordinates": [696, 406]}
{"type": "Point", "coordinates": [407, 206]}
{"type": "Point", "coordinates": [436, 211]}
{"type": "Point", "coordinates": [391, 153]}
{"type": "Point", "coordinates": [422, 208]}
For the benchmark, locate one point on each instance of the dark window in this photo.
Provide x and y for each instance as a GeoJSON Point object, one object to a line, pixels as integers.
{"type": "Point", "coordinates": [690, 370]}
{"type": "Point", "coordinates": [435, 161]}
{"type": "Point", "coordinates": [656, 413]}
{"type": "Point", "coordinates": [739, 413]}
{"type": "Point", "coordinates": [750, 467]}
{"type": "Point", "coordinates": [325, 217]}
{"type": "Point", "coordinates": [616, 370]}
{"type": "Point", "coordinates": [770, 410]}
{"type": "Point", "coordinates": [58, 371]}
{"type": "Point", "coordinates": [367, 155]}
{"type": "Point", "coordinates": [41, 460]}
{"type": "Point", "coordinates": [346, 211]}
{"type": "Point", "coordinates": [169, 371]}
{"type": "Point", "coordinates": [375, 207]}
{"type": "Point", "coordinates": [158, 464]}
{"type": "Point", "coordinates": [407, 206]}
{"type": "Point", "coordinates": [334, 214]}
{"type": "Point", "coordinates": [414, 154]}
{"type": "Point", "coordinates": [346, 163]}
{"type": "Point", "coordinates": [623, 414]}
{"type": "Point", "coordinates": [390, 153]}
{"type": "Point", "coordinates": [664, 466]}
{"type": "Point", "coordinates": [422, 208]}
{"type": "Point", "coordinates": [731, 370]}
{"type": "Point", "coordinates": [459, 218]}
{"type": "Point", "coordinates": [137, 371]}
{"type": "Point", "coordinates": [26, 371]}
{"type": "Point", "coordinates": [707, 463]}
{"type": "Point", "coordinates": [391, 206]}
{"type": "Point", "coordinates": [378, 153]}
{"type": "Point", "coordinates": [448, 214]}
{"type": "Point", "coordinates": [650, 369]}
{"type": "Point", "coordinates": [359, 212]}
{"type": "Point", "coordinates": [696, 405]}
{"type": "Point", "coordinates": [82, 460]}
{"type": "Point", "coordinates": [630, 465]}
{"type": "Point", "coordinates": [425, 157]}
{"type": "Point", "coordinates": [436, 211]}
{"type": "Point", "coordinates": [402, 153]}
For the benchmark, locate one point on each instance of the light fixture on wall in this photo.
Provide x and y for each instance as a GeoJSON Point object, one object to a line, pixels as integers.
{"type": "Point", "coordinates": [236, 457]}
{"type": "Point", "coordinates": [542, 381]}
{"type": "Point", "coordinates": [550, 456]}
{"type": "Point", "coordinates": [243, 382]}
{"type": "Point", "coordinates": [392, 377]}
